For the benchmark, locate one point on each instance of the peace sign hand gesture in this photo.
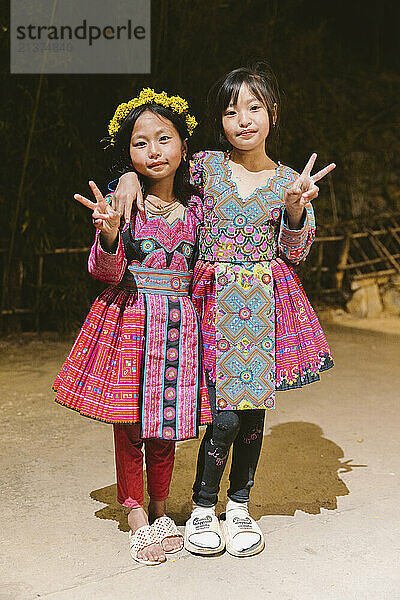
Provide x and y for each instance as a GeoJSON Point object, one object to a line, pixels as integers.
{"type": "Point", "coordinates": [104, 216]}
{"type": "Point", "coordinates": [303, 191]}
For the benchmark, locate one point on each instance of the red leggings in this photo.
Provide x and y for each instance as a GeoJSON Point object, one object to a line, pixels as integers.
{"type": "Point", "coordinates": [159, 455]}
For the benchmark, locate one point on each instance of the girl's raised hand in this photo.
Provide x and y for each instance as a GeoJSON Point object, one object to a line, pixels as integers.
{"type": "Point", "coordinates": [304, 189]}
{"type": "Point", "coordinates": [126, 193]}
{"type": "Point", "coordinates": [104, 217]}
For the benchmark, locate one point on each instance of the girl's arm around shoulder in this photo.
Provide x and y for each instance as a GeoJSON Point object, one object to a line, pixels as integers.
{"type": "Point", "coordinates": [196, 168]}
{"type": "Point", "coordinates": [196, 207]}
{"type": "Point", "coordinates": [107, 266]}
{"type": "Point", "coordinates": [204, 164]}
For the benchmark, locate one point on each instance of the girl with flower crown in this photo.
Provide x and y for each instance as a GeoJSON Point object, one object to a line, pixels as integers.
{"type": "Point", "coordinates": [136, 362]}
{"type": "Point", "coordinates": [260, 333]}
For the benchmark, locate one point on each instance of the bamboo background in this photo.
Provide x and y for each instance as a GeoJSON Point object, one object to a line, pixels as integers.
{"type": "Point", "coordinates": [337, 65]}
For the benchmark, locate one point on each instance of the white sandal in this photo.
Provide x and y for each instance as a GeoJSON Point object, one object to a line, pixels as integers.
{"type": "Point", "coordinates": [165, 527]}
{"type": "Point", "coordinates": [206, 523]}
{"type": "Point", "coordinates": [143, 537]}
{"type": "Point", "coordinates": [239, 521]}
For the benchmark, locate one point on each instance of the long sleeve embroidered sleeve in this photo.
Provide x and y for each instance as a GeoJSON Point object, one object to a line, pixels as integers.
{"type": "Point", "coordinates": [107, 266]}
{"type": "Point", "coordinates": [295, 244]}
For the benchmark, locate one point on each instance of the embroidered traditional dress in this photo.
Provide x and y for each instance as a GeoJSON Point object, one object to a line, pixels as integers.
{"type": "Point", "coordinates": [260, 332]}
{"type": "Point", "coordinates": [137, 357]}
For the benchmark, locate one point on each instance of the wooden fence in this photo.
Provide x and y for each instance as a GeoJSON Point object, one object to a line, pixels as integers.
{"type": "Point", "coordinates": [371, 252]}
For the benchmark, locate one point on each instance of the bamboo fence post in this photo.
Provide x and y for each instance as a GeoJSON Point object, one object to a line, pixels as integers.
{"type": "Point", "coordinates": [343, 257]}
{"type": "Point", "coordinates": [333, 199]}
{"type": "Point", "coordinates": [38, 290]}
{"type": "Point", "coordinates": [380, 247]}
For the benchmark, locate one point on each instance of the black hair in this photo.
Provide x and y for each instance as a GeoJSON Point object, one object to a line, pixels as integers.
{"type": "Point", "coordinates": [122, 162]}
{"type": "Point", "coordinates": [259, 78]}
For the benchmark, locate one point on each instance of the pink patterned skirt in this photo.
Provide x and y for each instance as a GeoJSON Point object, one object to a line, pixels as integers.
{"type": "Point", "coordinates": [137, 358]}
{"type": "Point", "coordinates": [301, 350]}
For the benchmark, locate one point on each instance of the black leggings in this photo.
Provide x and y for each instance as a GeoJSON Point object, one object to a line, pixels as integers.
{"type": "Point", "coordinates": [243, 429]}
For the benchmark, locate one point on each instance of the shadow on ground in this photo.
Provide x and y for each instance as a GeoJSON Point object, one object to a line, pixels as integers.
{"type": "Point", "coordinates": [298, 470]}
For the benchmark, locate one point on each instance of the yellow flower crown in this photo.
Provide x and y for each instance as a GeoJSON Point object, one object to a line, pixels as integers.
{"type": "Point", "coordinates": [147, 96]}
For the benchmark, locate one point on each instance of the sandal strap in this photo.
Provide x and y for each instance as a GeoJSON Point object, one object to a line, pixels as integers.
{"type": "Point", "coordinates": [165, 527]}
{"type": "Point", "coordinates": [239, 521]}
{"type": "Point", "coordinates": [203, 524]}
{"type": "Point", "coordinates": [143, 537]}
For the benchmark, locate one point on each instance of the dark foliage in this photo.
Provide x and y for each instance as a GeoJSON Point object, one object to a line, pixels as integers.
{"type": "Point", "coordinates": [336, 67]}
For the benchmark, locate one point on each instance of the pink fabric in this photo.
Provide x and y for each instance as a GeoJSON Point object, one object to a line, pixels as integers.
{"type": "Point", "coordinates": [301, 350]}
{"type": "Point", "coordinates": [203, 296]}
{"type": "Point", "coordinates": [295, 244]}
{"type": "Point", "coordinates": [106, 266]}
{"type": "Point", "coordinates": [171, 234]}
{"type": "Point", "coordinates": [182, 379]}
{"type": "Point", "coordinates": [255, 229]}
{"type": "Point", "coordinates": [101, 376]}
{"type": "Point", "coordinates": [251, 229]}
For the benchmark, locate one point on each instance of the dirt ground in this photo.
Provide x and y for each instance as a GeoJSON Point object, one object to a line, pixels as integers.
{"type": "Point", "coordinates": [329, 470]}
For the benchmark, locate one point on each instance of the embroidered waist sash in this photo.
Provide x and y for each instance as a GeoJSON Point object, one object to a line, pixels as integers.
{"type": "Point", "coordinates": [171, 360]}
{"type": "Point", "coordinates": [237, 244]}
{"type": "Point", "coordinates": [159, 281]}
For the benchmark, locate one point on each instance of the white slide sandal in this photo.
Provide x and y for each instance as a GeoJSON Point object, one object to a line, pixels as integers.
{"type": "Point", "coordinates": [205, 522]}
{"type": "Point", "coordinates": [237, 523]}
{"type": "Point", "coordinates": [143, 537]}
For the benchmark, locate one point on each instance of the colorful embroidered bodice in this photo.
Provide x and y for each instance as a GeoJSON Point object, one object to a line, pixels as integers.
{"type": "Point", "coordinates": [158, 244]}
{"type": "Point", "coordinates": [241, 229]}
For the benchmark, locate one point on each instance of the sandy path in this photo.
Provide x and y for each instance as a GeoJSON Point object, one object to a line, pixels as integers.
{"type": "Point", "coordinates": [327, 489]}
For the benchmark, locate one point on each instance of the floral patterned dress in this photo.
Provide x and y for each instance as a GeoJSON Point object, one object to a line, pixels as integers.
{"type": "Point", "coordinates": [259, 330]}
